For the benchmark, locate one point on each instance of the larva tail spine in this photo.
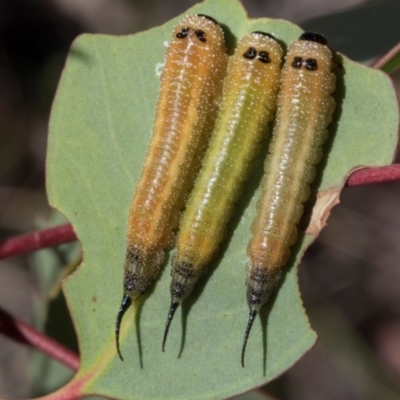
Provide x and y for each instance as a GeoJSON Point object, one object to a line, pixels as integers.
{"type": "Point", "coordinates": [125, 304]}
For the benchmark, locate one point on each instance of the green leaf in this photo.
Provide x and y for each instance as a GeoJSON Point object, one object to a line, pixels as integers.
{"type": "Point", "coordinates": [99, 132]}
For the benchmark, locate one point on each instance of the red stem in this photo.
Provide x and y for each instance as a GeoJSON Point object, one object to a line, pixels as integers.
{"type": "Point", "coordinates": [367, 176]}
{"type": "Point", "coordinates": [24, 333]}
{"type": "Point", "coordinates": [381, 61]}
{"type": "Point", "coordinates": [37, 240]}
{"type": "Point", "coordinates": [64, 234]}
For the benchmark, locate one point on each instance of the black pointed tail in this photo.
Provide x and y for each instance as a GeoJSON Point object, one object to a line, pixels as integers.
{"type": "Point", "coordinates": [171, 314]}
{"type": "Point", "coordinates": [252, 316]}
{"type": "Point", "coordinates": [125, 304]}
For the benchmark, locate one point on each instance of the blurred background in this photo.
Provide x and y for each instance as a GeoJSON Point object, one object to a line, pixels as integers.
{"type": "Point", "coordinates": [349, 278]}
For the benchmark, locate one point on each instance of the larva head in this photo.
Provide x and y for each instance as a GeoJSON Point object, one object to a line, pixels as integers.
{"type": "Point", "coordinates": [199, 29]}
{"type": "Point", "coordinates": [259, 48]}
{"type": "Point", "coordinates": [310, 54]}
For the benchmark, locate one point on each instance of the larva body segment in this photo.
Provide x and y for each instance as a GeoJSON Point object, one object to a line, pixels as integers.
{"type": "Point", "coordinates": [248, 104]}
{"type": "Point", "coordinates": [190, 92]}
{"type": "Point", "coordinates": [305, 108]}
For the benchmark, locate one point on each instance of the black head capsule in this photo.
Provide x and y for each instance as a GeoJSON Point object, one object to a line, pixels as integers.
{"type": "Point", "coordinates": [125, 304]}
{"type": "Point", "coordinates": [314, 37]}
{"type": "Point", "coordinates": [208, 17]}
{"type": "Point", "coordinates": [252, 316]}
{"type": "Point", "coordinates": [265, 34]}
{"type": "Point", "coordinates": [174, 306]}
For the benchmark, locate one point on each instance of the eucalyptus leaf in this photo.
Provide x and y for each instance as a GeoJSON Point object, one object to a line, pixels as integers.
{"type": "Point", "coordinates": [100, 128]}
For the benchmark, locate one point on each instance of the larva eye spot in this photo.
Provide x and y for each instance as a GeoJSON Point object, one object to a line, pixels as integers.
{"type": "Point", "coordinates": [201, 35]}
{"type": "Point", "coordinates": [250, 54]}
{"type": "Point", "coordinates": [297, 62]}
{"type": "Point", "coordinates": [311, 64]}
{"type": "Point", "coordinates": [314, 37]}
{"type": "Point", "coordinates": [264, 57]}
{"type": "Point", "coordinates": [183, 33]}
{"type": "Point", "coordinates": [265, 34]}
{"type": "Point", "coordinates": [208, 17]}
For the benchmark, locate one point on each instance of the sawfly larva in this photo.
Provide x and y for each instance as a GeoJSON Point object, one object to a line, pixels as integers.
{"type": "Point", "coordinates": [305, 108]}
{"type": "Point", "coordinates": [248, 104]}
{"type": "Point", "coordinates": [190, 92]}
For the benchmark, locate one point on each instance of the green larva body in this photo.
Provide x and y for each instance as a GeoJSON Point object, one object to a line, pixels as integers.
{"type": "Point", "coordinates": [248, 104]}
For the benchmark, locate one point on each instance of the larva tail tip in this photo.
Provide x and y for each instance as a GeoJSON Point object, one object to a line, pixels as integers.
{"type": "Point", "coordinates": [119, 352]}
{"type": "Point", "coordinates": [125, 304]}
{"type": "Point", "coordinates": [252, 316]}
{"type": "Point", "coordinates": [314, 37]}
{"type": "Point", "coordinates": [265, 34]}
{"type": "Point", "coordinates": [173, 308]}
{"type": "Point", "coordinates": [208, 17]}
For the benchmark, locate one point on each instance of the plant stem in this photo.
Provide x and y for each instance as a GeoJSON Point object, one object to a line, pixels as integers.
{"type": "Point", "coordinates": [24, 333]}
{"type": "Point", "coordinates": [390, 62]}
{"type": "Point", "coordinates": [37, 240]}
{"type": "Point", "coordinates": [368, 176]}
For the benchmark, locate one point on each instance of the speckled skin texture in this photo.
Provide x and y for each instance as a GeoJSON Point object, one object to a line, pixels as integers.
{"type": "Point", "coordinates": [190, 92]}
{"type": "Point", "coordinates": [248, 104]}
{"type": "Point", "coordinates": [305, 108]}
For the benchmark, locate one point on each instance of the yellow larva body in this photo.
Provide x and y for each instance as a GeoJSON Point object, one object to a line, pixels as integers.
{"type": "Point", "coordinates": [186, 111]}
{"type": "Point", "coordinates": [191, 87]}
{"type": "Point", "coordinates": [248, 104]}
{"type": "Point", "coordinates": [305, 108]}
